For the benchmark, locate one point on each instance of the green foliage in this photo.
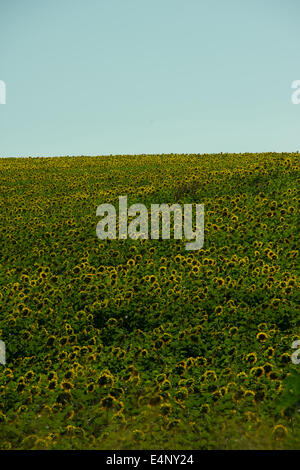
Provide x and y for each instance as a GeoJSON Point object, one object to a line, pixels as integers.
{"type": "Point", "coordinates": [289, 400]}
{"type": "Point", "coordinates": [143, 344]}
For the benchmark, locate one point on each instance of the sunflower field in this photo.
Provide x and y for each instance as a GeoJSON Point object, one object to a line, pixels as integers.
{"type": "Point", "coordinates": [140, 344]}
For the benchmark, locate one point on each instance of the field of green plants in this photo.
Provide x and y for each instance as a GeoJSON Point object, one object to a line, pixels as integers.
{"type": "Point", "coordinates": [124, 344]}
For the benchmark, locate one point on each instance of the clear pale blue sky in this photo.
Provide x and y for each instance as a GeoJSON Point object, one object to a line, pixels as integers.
{"type": "Point", "coordinates": [99, 77]}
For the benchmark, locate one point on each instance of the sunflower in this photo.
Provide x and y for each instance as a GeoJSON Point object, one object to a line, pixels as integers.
{"type": "Point", "coordinates": [165, 385]}
{"type": "Point", "coordinates": [204, 409]}
{"type": "Point", "coordinates": [105, 379]}
{"type": "Point", "coordinates": [257, 372]}
{"type": "Point", "coordinates": [285, 358]}
{"type": "Point", "coordinates": [69, 374]}
{"type": "Point", "coordinates": [251, 358]}
{"type": "Point", "coordinates": [119, 417]}
{"type": "Point", "coordinates": [52, 384]}
{"type": "Point", "coordinates": [181, 395]}
{"type": "Point", "coordinates": [210, 375]}
{"type": "Point", "coordinates": [51, 341]}
{"type": "Point", "coordinates": [279, 431]}
{"type": "Point", "coordinates": [275, 303]}
{"type": "Point", "coordinates": [262, 336]}
{"type": "Point", "coordinates": [21, 386]}
{"type": "Point", "coordinates": [29, 375]}
{"type": "Point", "coordinates": [273, 375]}
{"type": "Point", "coordinates": [262, 326]}
{"type": "Point", "coordinates": [165, 409]}
{"type": "Point", "coordinates": [108, 402]}
{"type": "Point", "coordinates": [161, 378]}
{"type": "Point", "coordinates": [112, 322]}
{"type": "Point", "coordinates": [173, 423]}
{"type": "Point", "coordinates": [270, 352]}
{"type": "Point", "coordinates": [65, 385]}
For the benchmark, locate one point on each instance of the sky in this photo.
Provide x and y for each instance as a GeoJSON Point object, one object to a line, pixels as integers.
{"type": "Point", "coordinates": [102, 77]}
